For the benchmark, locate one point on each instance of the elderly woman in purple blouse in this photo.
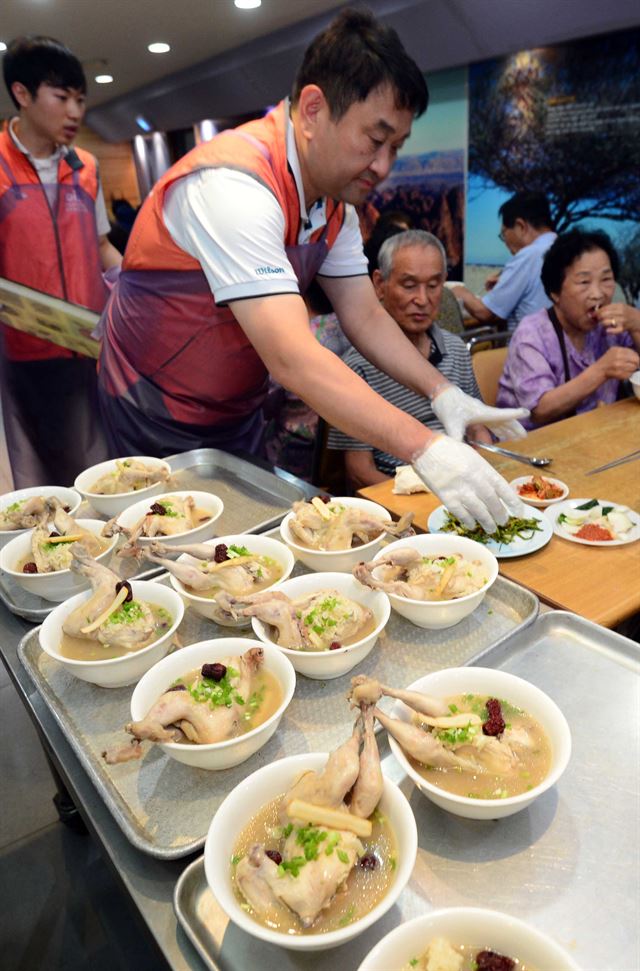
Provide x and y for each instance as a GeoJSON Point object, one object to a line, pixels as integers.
{"type": "Point", "coordinates": [573, 356]}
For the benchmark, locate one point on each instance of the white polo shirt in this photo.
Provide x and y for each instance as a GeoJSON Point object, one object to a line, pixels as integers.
{"type": "Point", "coordinates": [47, 169]}
{"type": "Point", "coordinates": [234, 227]}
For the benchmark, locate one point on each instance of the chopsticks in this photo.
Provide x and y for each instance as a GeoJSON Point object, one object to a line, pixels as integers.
{"type": "Point", "coordinates": [631, 457]}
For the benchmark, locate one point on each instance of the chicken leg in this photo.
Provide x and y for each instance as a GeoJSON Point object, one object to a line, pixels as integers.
{"type": "Point", "coordinates": [364, 689]}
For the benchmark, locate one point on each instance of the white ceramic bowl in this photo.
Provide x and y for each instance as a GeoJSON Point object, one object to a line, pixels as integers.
{"type": "Point", "coordinates": [112, 505]}
{"type": "Point", "coordinates": [243, 803]}
{"type": "Point", "coordinates": [635, 383]}
{"type": "Point", "coordinates": [341, 561]}
{"type": "Point", "coordinates": [203, 500]}
{"type": "Point", "coordinates": [51, 586]}
{"type": "Point", "coordinates": [263, 545]}
{"type": "Point", "coordinates": [325, 665]}
{"type": "Point", "coordinates": [469, 926]}
{"type": "Point", "coordinates": [495, 684]}
{"type": "Point", "coordinates": [438, 614]}
{"type": "Point", "coordinates": [540, 503]}
{"type": "Point", "coordinates": [118, 671]}
{"type": "Point", "coordinates": [68, 497]}
{"type": "Point", "coordinates": [216, 755]}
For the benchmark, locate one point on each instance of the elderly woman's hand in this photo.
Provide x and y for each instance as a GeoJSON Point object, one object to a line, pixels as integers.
{"type": "Point", "coordinates": [618, 363]}
{"type": "Point", "coordinates": [616, 317]}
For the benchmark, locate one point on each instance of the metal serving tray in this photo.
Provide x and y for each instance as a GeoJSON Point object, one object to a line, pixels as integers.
{"type": "Point", "coordinates": [255, 499]}
{"type": "Point", "coordinates": [142, 795]}
{"type": "Point", "coordinates": [568, 864]}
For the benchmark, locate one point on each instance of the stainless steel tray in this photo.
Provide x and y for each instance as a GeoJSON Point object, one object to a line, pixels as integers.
{"type": "Point", "coordinates": [255, 499]}
{"type": "Point", "coordinates": [142, 795]}
{"type": "Point", "coordinates": [568, 864]}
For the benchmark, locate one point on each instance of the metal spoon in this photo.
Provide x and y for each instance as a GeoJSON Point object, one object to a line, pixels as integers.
{"type": "Point", "coordinates": [526, 459]}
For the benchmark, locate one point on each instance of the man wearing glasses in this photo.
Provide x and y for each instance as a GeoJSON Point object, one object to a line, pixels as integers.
{"type": "Point", "coordinates": [527, 232]}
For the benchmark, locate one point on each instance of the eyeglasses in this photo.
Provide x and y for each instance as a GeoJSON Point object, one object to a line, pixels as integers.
{"type": "Point", "coordinates": [501, 234]}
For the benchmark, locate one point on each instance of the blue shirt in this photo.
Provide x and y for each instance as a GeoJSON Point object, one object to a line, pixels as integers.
{"type": "Point", "coordinates": [519, 291]}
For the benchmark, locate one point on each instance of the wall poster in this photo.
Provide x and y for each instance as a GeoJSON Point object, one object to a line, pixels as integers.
{"type": "Point", "coordinates": [565, 121]}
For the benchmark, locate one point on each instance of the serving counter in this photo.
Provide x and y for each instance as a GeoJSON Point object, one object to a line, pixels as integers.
{"type": "Point", "coordinates": [538, 865]}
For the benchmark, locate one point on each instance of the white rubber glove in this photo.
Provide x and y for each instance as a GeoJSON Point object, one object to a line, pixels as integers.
{"type": "Point", "coordinates": [456, 410]}
{"type": "Point", "coordinates": [468, 486]}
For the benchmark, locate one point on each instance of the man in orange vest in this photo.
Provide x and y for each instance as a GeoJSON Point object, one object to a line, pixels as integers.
{"type": "Point", "coordinates": [53, 237]}
{"type": "Point", "coordinates": [209, 300]}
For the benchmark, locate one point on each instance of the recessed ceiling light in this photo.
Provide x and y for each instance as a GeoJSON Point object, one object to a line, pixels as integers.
{"type": "Point", "coordinates": [159, 48]}
{"type": "Point", "coordinates": [104, 78]}
{"type": "Point", "coordinates": [247, 4]}
{"type": "Point", "coordinates": [3, 46]}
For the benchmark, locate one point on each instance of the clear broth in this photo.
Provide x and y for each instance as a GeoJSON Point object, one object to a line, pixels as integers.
{"type": "Point", "coordinates": [363, 889]}
{"type": "Point", "coordinates": [104, 545]}
{"type": "Point", "coordinates": [256, 588]}
{"type": "Point", "coordinates": [533, 765]}
{"type": "Point", "coordinates": [84, 649]}
{"type": "Point", "coordinates": [264, 683]}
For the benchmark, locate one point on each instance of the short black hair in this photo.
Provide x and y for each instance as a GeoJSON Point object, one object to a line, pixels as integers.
{"type": "Point", "coordinates": [355, 55]}
{"type": "Point", "coordinates": [568, 248]}
{"type": "Point", "coordinates": [533, 207]}
{"type": "Point", "coordinates": [34, 60]}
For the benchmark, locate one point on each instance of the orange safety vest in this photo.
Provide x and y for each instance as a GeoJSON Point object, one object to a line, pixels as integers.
{"type": "Point", "coordinates": [49, 244]}
{"type": "Point", "coordinates": [168, 349]}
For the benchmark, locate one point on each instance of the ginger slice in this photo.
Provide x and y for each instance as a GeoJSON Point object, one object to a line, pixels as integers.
{"type": "Point", "coordinates": [119, 598]}
{"type": "Point", "coordinates": [331, 818]}
{"type": "Point", "coordinates": [70, 538]}
{"type": "Point", "coordinates": [321, 507]}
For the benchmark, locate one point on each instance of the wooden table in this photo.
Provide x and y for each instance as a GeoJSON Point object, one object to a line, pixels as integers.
{"type": "Point", "coordinates": [600, 583]}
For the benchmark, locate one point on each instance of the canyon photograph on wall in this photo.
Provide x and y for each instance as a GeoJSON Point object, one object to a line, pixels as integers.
{"type": "Point", "coordinates": [427, 180]}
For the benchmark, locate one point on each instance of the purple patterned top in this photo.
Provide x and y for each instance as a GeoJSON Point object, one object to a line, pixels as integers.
{"type": "Point", "coordinates": [534, 364]}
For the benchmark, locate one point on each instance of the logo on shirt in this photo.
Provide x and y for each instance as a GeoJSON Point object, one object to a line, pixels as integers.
{"type": "Point", "coordinates": [73, 204]}
{"type": "Point", "coordinates": [268, 270]}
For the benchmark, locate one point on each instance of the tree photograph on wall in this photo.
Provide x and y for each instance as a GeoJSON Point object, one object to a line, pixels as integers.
{"type": "Point", "coordinates": [563, 120]}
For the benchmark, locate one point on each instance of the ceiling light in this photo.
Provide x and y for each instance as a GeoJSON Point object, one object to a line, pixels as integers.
{"type": "Point", "coordinates": [3, 46]}
{"type": "Point", "coordinates": [247, 4]}
{"type": "Point", "coordinates": [142, 122]}
{"type": "Point", "coordinates": [104, 78]}
{"type": "Point", "coordinates": [159, 48]}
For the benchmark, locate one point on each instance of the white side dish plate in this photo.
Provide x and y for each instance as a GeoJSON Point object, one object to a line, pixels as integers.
{"type": "Point", "coordinates": [518, 547]}
{"type": "Point", "coordinates": [572, 505]}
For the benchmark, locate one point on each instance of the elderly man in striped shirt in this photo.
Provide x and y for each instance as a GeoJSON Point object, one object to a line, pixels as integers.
{"type": "Point", "coordinates": [412, 270]}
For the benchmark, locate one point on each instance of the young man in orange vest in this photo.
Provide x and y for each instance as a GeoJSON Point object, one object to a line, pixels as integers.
{"type": "Point", "coordinates": [210, 297]}
{"type": "Point", "coordinates": [53, 237]}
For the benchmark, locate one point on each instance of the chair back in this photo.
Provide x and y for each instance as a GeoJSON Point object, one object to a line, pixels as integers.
{"type": "Point", "coordinates": [450, 316]}
{"type": "Point", "coordinates": [487, 367]}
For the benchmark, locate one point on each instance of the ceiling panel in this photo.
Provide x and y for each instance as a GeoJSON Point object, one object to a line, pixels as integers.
{"type": "Point", "coordinates": [227, 62]}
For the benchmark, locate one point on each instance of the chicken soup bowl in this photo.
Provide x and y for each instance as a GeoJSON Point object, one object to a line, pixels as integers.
{"type": "Point", "coordinates": [111, 505]}
{"type": "Point", "coordinates": [215, 755]}
{"type": "Point", "coordinates": [473, 927]}
{"type": "Point", "coordinates": [119, 671]}
{"type": "Point", "coordinates": [341, 561]}
{"type": "Point", "coordinates": [439, 614]}
{"type": "Point", "coordinates": [326, 665]}
{"type": "Point", "coordinates": [55, 586]}
{"type": "Point", "coordinates": [242, 804]}
{"type": "Point", "coordinates": [263, 546]}
{"type": "Point", "coordinates": [506, 687]}
{"type": "Point", "coordinates": [205, 501]}
{"type": "Point", "coordinates": [69, 498]}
